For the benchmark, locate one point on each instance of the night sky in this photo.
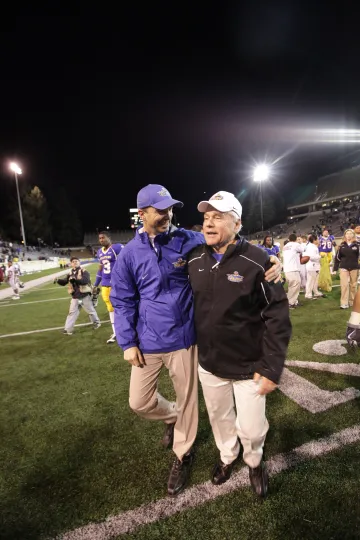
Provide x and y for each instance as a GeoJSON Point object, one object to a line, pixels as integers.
{"type": "Point", "coordinates": [105, 101]}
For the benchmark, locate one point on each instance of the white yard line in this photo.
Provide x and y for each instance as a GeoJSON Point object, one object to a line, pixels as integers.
{"type": "Point", "coordinates": [45, 330]}
{"type": "Point", "coordinates": [17, 303]}
{"type": "Point", "coordinates": [39, 288]}
{"type": "Point", "coordinates": [131, 520]}
{"type": "Point", "coordinates": [310, 397]}
{"type": "Point", "coordinates": [343, 369]}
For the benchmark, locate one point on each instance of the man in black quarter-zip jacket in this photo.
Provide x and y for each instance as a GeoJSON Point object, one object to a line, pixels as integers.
{"type": "Point", "coordinates": [243, 330]}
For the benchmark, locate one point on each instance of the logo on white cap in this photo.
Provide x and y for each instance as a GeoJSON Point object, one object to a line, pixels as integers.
{"type": "Point", "coordinates": [223, 201]}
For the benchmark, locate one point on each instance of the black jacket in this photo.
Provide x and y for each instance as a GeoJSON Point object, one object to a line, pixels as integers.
{"type": "Point", "coordinates": [242, 322]}
{"type": "Point", "coordinates": [75, 279]}
{"type": "Point", "coordinates": [347, 256]}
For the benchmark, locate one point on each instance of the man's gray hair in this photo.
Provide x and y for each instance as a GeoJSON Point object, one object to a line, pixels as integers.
{"type": "Point", "coordinates": [236, 218]}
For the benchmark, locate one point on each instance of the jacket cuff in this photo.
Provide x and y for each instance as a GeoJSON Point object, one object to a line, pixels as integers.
{"type": "Point", "coordinates": [270, 374]}
{"type": "Point", "coordinates": [129, 345]}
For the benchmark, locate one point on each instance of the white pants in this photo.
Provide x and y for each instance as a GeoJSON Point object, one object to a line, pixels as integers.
{"type": "Point", "coordinates": [247, 421]}
{"type": "Point", "coordinates": [293, 279]}
{"type": "Point", "coordinates": [312, 284]}
{"type": "Point", "coordinates": [303, 274]}
{"type": "Point", "coordinates": [15, 284]}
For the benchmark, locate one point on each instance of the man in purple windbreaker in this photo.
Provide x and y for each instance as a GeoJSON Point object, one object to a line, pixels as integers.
{"type": "Point", "coordinates": [154, 324]}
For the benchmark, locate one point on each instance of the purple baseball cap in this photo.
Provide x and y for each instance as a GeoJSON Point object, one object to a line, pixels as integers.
{"type": "Point", "coordinates": [156, 196]}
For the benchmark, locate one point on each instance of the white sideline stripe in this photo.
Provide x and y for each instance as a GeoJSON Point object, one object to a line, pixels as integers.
{"type": "Point", "coordinates": [15, 303]}
{"type": "Point", "coordinates": [310, 397]}
{"type": "Point", "coordinates": [46, 330]}
{"type": "Point", "coordinates": [342, 369]}
{"type": "Point", "coordinates": [129, 521]}
{"type": "Point", "coordinates": [39, 288]}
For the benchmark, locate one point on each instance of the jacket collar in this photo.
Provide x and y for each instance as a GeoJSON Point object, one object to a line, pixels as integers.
{"type": "Point", "coordinates": [173, 238]}
{"type": "Point", "coordinates": [238, 248]}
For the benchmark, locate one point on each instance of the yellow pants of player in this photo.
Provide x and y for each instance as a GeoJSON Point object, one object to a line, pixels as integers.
{"type": "Point", "coordinates": [105, 294]}
{"type": "Point", "coordinates": [325, 280]}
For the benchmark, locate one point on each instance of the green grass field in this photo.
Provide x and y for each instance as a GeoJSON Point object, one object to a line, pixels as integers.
{"type": "Point", "coordinates": [72, 452]}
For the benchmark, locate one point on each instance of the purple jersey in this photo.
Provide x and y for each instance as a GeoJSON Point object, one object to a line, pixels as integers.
{"type": "Point", "coordinates": [326, 243]}
{"type": "Point", "coordinates": [107, 258]}
{"type": "Point", "coordinates": [274, 250]}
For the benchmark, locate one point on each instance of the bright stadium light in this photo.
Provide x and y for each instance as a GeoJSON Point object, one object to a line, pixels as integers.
{"type": "Point", "coordinates": [261, 174]}
{"type": "Point", "coordinates": [14, 167]}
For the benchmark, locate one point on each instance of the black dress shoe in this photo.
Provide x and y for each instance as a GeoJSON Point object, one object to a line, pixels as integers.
{"type": "Point", "coordinates": [259, 480]}
{"type": "Point", "coordinates": [168, 438]}
{"type": "Point", "coordinates": [179, 474]}
{"type": "Point", "coordinates": [221, 473]}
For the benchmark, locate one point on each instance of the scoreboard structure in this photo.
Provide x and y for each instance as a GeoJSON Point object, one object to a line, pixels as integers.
{"type": "Point", "coordinates": [135, 220]}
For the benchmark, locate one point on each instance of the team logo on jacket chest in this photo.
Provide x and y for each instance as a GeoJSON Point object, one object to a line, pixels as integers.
{"type": "Point", "coordinates": [179, 263]}
{"type": "Point", "coordinates": [235, 277]}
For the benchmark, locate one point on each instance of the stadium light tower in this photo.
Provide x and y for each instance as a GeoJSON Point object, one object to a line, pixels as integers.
{"type": "Point", "coordinates": [261, 174]}
{"type": "Point", "coordinates": [16, 170]}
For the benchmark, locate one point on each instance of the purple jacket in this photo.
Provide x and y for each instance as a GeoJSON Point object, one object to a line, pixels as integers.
{"type": "Point", "coordinates": [151, 292]}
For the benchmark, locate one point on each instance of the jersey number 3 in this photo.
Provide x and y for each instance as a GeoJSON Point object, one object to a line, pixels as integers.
{"type": "Point", "coordinates": [106, 267]}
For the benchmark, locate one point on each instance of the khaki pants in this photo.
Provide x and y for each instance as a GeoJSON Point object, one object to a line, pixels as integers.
{"type": "Point", "coordinates": [146, 401]}
{"type": "Point", "coordinates": [348, 282]}
{"type": "Point", "coordinates": [312, 284]}
{"type": "Point", "coordinates": [248, 421]}
{"type": "Point", "coordinates": [293, 279]}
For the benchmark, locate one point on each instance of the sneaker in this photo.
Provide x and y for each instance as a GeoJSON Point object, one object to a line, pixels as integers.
{"type": "Point", "coordinates": [168, 438]}
{"type": "Point", "coordinates": [344, 306]}
{"type": "Point", "coordinates": [67, 333]}
{"type": "Point", "coordinates": [179, 474]}
{"type": "Point", "coordinates": [112, 339]}
{"type": "Point", "coordinates": [309, 297]}
{"type": "Point", "coordinates": [16, 297]}
{"type": "Point", "coordinates": [97, 325]}
{"type": "Point", "coordinates": [221, 473]}
{"type": "Point", "coordinates": [259, 480]}
{"type": "Point", "coordinates": [292, 306]}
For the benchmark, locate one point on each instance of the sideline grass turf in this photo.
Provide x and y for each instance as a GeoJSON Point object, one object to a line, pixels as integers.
{"type": "Point", "coordinates": [72, 452]}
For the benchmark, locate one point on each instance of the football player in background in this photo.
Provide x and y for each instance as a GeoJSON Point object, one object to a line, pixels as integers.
{"type": "Point", "coordinates": [106, 256]}
{"type": "Point", "coordinates": [326, 244]}
{"type": "Point", "coordinates": [357, 232]}
{"type": "Point", "coordinates": [13, 273]}
{"type": "Point", "coordinates": [269, 246]}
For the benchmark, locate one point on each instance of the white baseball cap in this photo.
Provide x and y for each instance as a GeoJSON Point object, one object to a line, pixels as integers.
{"type": "Point", "coordinates": [223, 201]}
